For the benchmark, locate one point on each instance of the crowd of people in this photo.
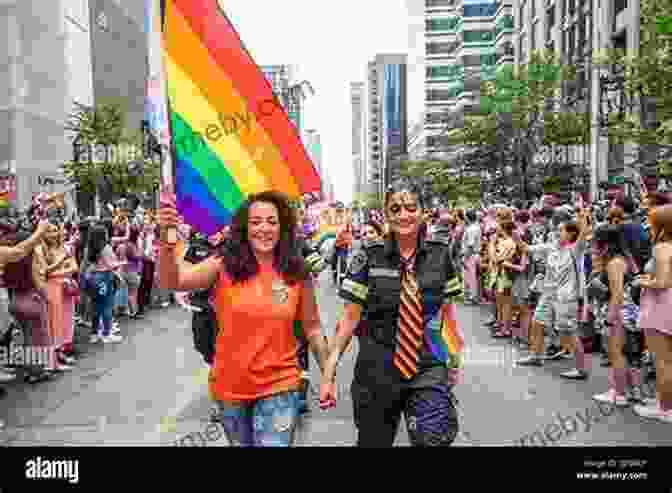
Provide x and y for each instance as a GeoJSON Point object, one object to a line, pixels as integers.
{"type": "Point", "coordinates": [565, 280]}
{"type": "Point", "coordinates": [561, 281]}
{"type": "Point", "coordinates": [67, 283]}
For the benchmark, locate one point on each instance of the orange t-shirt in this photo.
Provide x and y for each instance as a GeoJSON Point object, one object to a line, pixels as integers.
{"type": "Point", "coordinates": [256, 349]}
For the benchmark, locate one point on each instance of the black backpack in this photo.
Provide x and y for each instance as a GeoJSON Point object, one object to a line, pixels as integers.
{"type": "Point", "coordinates": [204, 325]}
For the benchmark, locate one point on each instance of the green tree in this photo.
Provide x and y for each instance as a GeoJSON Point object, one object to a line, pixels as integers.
{"type": "Point", "coordinates": [99, 131]}
{"type": "Point", "coordinates": [449, 182]}
{"type": "Point", "coordinates": [518, 115]}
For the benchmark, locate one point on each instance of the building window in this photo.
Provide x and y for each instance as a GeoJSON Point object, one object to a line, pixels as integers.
{"type": "Point", "coordinates": [101, 21]}
{"type": "Point", "coordinates": [571, 48]}
{"type": "Point", "coordinates": [439, 48]}
{"type": "Point", "coordinates": [444, 94]}
{"type": "Point", "coordinates": [533, 37]}
{"type": "Point", "coordinates": [480, 10]}
{"type": "Point", "coordinates": [445, 71]}
{"type": "Point", "coordinates": [450, 24]}
{"type": "Point", "coordinates": [438, 3]}
{"type": "Point", "coordinates": [571, 7]}
{"type": "Point", "coordinates": [582, 36]}
{"type": "Point", "coordinates": [522, 45]}
{"type": "Point", "coordinates": [550, 22]}
{"type": "Point", "coordinates": [503, 23]}
{"type": "Point", "coordinates": [436, 141]}
{"type": "Point", "coordinates": [533, 8]}
{"type": "Point", "coordinates": [435, 118]}
{"type": "Point", "coordinates": [521, 15]}
{"type": "Point", "coordinates": [620, 6]}
{"type": "Point", "coordinates": [481, 36]}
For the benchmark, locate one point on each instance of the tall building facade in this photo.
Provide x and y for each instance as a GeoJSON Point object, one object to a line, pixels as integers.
{"type": "Point", "coordinates": [576, 30]}
{"type": "Point", "coordinates": [313, 144]}
{"type": "Point", "coordinates": [466, 41]}
{"type": "Point", "coordinates": [57, 52]}
{"type": "Point", "coordinates": [282, 78]}
{"type": "Point", "coordinates": [417, 139]}
{"type": "Point", "coordinates": [387, 118]}
{"type": "Point", "coordinates": [357, 98]}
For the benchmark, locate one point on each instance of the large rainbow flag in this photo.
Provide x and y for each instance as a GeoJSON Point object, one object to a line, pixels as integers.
{"type": "Point", "coordinates": [230, 135]}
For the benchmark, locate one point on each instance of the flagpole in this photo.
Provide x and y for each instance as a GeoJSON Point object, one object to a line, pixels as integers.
{"type": "Point", "coordinates": [169, 235]}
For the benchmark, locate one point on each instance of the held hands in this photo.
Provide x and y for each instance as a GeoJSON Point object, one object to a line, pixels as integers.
{"type": "Point", "coordinates": [327, 394]}
{"type": "Point", "coordinates": [167, 215]}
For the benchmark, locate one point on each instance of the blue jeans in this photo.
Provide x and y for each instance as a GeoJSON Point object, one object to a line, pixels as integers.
{"type": "Point", "coordinates": [103, 300]}
{"type": "Point", "coordinates": [267, 422]}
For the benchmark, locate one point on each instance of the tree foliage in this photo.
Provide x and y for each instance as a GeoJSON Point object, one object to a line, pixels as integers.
{"type": "Point", "coordinates": [123, 166]}
{"type": "Point", "coordinates": [520, 111]}
{"type": "Point", "coordinates": [449, 183]}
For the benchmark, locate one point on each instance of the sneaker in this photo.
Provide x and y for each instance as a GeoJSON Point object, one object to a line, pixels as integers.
{"type": "Point", "coordinates": [68, 360]}
{"type": "Point", "coordinates": [532, 360]}
{"type": "Point", "coordinates": [653, 411]}
{"type": "Point", "coordinates": [575, 374]}
{"type": "Point", "coordinates": [557, 354]}
{"type": "Point", "coordinates": [95, 339]}
{"type": "Point", "coordinates": [112, 339]}
{"type": "Point", "coordinates": [165, 304]}
{"type": "Point", "coordinates": [6, 376]}
{"type": "Point", "coordinates": [611, 397]}
{"type": "Point", "coordinates": [116, 330]}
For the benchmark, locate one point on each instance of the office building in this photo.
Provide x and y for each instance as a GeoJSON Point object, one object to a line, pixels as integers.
{"type": "Point", "coordinates": [357, 95]}
{"type": "Point", "coordinates": [282, 78]}
{"type": "Point", "coordinates": [576, 30]}
{"type": "Point", "coordinates": [417, 139]}
{"type": "Point", "coordinates": [386, 118]}
{"type": "Point", "coordinates": [313, 144]}
{"type": "Point", "coordinates": [57, 52]}
{"type": "Point", "coordinates": [465, 42]}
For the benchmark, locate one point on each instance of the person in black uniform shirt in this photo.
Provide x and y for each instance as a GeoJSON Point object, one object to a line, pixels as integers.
{"type": "Point", "coordinates": [204, 322]}
{"type": "Point", "coordinates": [404, 287]}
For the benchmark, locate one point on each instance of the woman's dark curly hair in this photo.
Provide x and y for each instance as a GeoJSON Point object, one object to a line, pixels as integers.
{"type": "Point", "coordinates": [243, 265]}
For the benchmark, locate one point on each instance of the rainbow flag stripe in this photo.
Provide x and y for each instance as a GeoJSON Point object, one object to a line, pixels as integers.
{"type": "Point", "coordinates": [230, 134]}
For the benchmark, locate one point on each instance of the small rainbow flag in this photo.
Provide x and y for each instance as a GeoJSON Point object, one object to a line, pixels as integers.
{"type": "Point", "coordinates": [230, 135]}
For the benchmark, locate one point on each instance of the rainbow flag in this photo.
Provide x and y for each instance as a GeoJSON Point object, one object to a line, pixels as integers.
{"type": "Point", "coordinates": [230, 135]}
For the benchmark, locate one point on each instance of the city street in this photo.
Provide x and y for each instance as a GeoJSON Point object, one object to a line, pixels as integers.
{"type": "Point", "coordinates": [151, 389]}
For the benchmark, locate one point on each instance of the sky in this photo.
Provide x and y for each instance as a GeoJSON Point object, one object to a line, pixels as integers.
{"type": "Point", "coordinates": [331, 44]}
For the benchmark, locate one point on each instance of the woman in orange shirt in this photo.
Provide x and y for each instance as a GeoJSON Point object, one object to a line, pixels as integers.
{"type": "Point", "coordinates": [261, 287]}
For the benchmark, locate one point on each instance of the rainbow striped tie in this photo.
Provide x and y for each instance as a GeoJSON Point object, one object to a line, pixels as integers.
{"type": "Point", "coordinates": [409, 333]}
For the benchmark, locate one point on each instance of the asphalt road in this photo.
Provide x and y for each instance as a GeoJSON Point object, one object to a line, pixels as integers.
{"type": "Point", "coordinates": [152, 390]}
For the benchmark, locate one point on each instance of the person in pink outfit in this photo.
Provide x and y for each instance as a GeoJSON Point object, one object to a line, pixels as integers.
{"type": "Point", "coordinates": [656, 313]}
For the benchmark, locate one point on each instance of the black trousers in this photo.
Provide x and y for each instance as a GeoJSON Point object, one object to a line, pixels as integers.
{"type": "Point", "coordinates": [380, 397]}
{"type": "Point", "coordinates": [146, 285]}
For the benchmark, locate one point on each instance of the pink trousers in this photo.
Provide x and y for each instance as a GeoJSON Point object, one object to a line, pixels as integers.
{"type": "Point", "coordinates": [471, 281]}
